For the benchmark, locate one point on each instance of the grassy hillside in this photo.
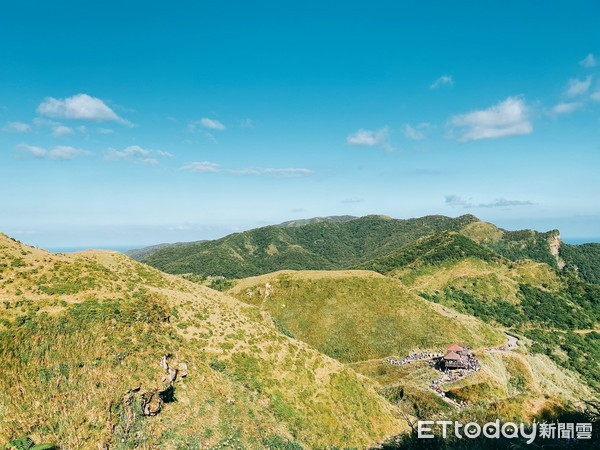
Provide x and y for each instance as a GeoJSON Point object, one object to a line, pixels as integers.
{"type": "Point", "coordinates": [360, 317]}
{"type": "Point", "coordinates": [516, 245]}
{"type": "Point", "coordinates": [431, 250]}
{"type": "Point", "coordinates": [82, 337]}
{"type": "Point", "coordinates": [354, 316]}
{"type": "Point", "coordinates": [531, 297]}
{"type": "Point", "coordinates": [326, 245]}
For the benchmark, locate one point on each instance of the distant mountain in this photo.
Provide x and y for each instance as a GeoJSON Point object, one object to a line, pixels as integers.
{"type": "Point", "coordinates": [301, 222]}
{"type": "Point", "coordinates": [434, 249]}
{"type": "Point", "coordinates": [318, 245]}
{"type": "Point", "coordinates": [342, 242]}
{"type": "Point", "coordinates": [141, 253]}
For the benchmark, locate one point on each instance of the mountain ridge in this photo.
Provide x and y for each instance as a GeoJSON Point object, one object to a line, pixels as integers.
{"type": "Point", "coordinates": [345, 242]}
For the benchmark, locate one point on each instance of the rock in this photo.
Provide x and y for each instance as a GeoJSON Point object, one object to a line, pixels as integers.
{"type": "Point", "coordinates": [183, 370]}
{"type": "Point", "coordinates": [151, 403]}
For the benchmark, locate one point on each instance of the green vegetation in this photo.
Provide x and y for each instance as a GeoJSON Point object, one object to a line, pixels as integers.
{"type": "Point", "coordinates": [26, 443]}
{"type": "Point", "coordinates": [327, 245]}
{"type": "Point", "coordinates": [577, 351]}
{"type": "Point", "coordinates": [438, 248]}
{"type": "Point", "coordinates": [576, 307]}
{"type": "Point", "coordinates": [525, 244]}
{"type": "Point", "coordinates": [583, 260]}
{"type": "Point", "coordinates": [374, 242]}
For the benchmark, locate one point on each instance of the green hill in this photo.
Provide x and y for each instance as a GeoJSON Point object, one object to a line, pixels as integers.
{"type": "Point", "coordinates": [334, 243]}
{"type": "Point", "coordinates": [355, 315]}
{"type": "Point", "coordinates": [325, 245]}
{"type": "Point", "coordinates": [83, 340]}
{"type": "Point", "coordinates": [434, 249]}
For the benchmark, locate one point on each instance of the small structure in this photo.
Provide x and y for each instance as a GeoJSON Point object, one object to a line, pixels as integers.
{"type": "Point", "coordinates": [457, 348]}
{"type": "Point", "coordinates": [456, 357]}
{"type": "Point", "coordinates": [453, 360]}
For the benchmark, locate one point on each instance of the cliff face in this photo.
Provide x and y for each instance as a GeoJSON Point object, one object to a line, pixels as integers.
{"type": "Point", "coordinates": [554, 242]}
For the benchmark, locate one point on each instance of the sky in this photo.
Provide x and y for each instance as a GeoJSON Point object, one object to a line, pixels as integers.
{"type": "Point", "coordinates": [133, 123]}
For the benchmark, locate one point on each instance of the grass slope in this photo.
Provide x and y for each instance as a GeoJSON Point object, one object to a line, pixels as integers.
{"type": "Point", "coordinates": [79, 332]}
{"type": "Point", "coordinates": [531, 297]}
{"type": "Point", "coordinates": [359, 315]}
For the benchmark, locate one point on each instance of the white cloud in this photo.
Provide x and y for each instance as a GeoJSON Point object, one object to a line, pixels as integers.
{"type": "Point", "coordinates": [32, 150]}
{"type": "Point", "coordinates": [456, 201]}
{"type": "Point", "coordinates": [61, 130]}
{"type": "Point", "coordinates": [353, 200]}
{"type": "Point", "coordinates": [137, 154]}
{"type": "Point", "coordinates": [444, 80]}
{"type": "Point", "coordinates": [577, 87]}
{"type": "Point", "coordinates": [595, 96]}
{"type": "Point", "coordinates": [61, 153]}
{"type": "Point", "coordinates": [105, 131]}
{"type": "Point", "coordinates": [589, 61]}
{"type": "Point", "coordinates": [202, 167]}
{"type": "Point", "coordinates": [209, 167]}
{"type": "Point", "coordinates": [212, 124]}
{"type": "Point", "coordinates": [371, 138]}
{"type": "Point", "coordinates": [566, 108]}
{"type": "Point", "coordinates": [412, 133]}
{"type": "Point", "coordinates": [66, 153]}
{"type": "Point", "coordinates": [80, 106]}
{"type": "Point", "coordinates": [507, 118]}
{"type": "Point", "coordinates": [17, 127]}
{"type": "Point", "coordinates": [285, 172]}
{"type": "Point", "coordinates": [206, 123]}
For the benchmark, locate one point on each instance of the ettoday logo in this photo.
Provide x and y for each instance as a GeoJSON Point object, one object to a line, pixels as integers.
{"type": "Point", "coordinates": [495, 430]}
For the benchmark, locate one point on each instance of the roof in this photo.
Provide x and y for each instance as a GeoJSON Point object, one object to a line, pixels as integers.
{"type": "Point", "coordinates": [455, 348]}
{"type": "Point", "coordinates": [451, 356]}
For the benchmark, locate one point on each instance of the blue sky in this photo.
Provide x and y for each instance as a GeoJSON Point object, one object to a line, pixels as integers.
{"type": "Point", "coordinates": [129, 123]}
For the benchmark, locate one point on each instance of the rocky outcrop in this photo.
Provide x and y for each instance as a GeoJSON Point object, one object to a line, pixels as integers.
{"type": "Point", "coordinates": [554, 242]}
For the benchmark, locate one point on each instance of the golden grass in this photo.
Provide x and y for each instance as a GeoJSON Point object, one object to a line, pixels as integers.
{"type": "Point", "coordinates": [91, 326]}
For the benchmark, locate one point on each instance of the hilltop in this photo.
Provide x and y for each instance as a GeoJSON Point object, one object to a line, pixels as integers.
{"type": "Point", "coordinates": [84, 340]}
{"type": "Point", "coordinates": [359, 315]}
